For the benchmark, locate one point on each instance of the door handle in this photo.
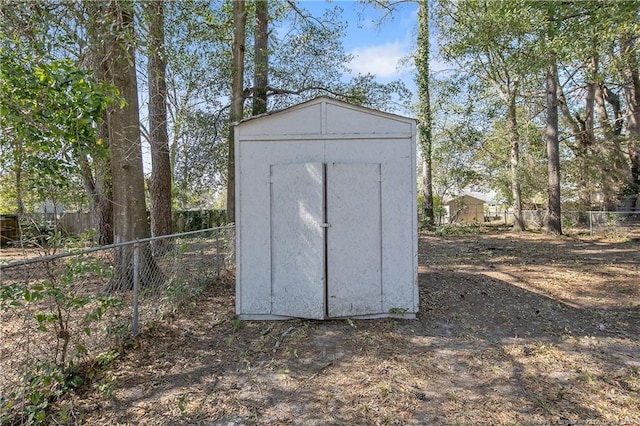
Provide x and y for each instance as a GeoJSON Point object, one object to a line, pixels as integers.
{"type": "Point", "coordinates": [325, 225]}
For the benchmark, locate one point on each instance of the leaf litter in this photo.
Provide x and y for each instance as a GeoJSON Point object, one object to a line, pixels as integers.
{"type": "Point", "coordinates": [514, 329]}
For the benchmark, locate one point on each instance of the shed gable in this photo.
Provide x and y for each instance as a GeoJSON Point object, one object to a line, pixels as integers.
{"type": "Point", "coordinates": [465, 200]}
{"type": "Point", "coordinates": [325, 117]}
{"type": "Point", "coordinates": [344, 118]}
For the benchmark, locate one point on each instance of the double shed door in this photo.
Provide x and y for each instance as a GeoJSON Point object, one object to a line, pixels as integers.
{"type": "Point", "coordinates": [326, 240]}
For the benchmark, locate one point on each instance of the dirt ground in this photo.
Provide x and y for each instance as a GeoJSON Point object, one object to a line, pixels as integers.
{"type": "Point", "coordinates": [514, 329]}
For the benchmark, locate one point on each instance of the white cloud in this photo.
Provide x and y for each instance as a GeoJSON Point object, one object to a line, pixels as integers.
{"type": "Point", "coordinates": [381, 60]}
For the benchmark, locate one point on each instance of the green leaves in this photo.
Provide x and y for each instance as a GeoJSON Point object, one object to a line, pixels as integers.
{"type": "Point", "coordinates": [62, 311]}
{"type": "Point", "coordinates": [45, 319]}
{"type": "Point", "coordinates": [49, 115]}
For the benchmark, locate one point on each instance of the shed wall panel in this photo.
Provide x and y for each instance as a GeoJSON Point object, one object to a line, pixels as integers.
{"type": "Point", "coordinates": [354, 244]}
{"type": "Point", "coordinates": [253, 201]}
{"type": "Point", "coordinates": [303, 120]}
{"type": "Point", "coordinates": [253, 267]}
{"type": "Point", "coordinates": [345, 120]}
{"type": "Point", "coordinates": [297, 240]}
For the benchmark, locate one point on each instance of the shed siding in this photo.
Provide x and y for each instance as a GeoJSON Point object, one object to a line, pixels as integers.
{"type": "Point", "coordinates": [326, 131]}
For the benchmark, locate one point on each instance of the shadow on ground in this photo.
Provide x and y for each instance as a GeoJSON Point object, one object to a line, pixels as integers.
{"type": "Point", "coordinates": [497, 341]}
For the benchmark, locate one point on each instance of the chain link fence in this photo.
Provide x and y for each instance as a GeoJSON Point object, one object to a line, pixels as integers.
{"type": "Point", "coordinates": [612, 223]}
{"type": "Point", "coordinates": [60, 311]}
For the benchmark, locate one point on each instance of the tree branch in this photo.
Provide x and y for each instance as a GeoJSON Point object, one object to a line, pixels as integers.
{"type": "Point", "coordinates": [307, 17]}
{"type": "Point", "coordinates": [276, 91]}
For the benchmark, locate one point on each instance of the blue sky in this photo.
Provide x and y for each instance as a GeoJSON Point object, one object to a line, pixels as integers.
{"type": "Point", "coordinates": [379, 47]}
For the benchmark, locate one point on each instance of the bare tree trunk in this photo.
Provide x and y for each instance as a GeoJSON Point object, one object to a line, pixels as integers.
{"type": "Point", "coordinates": [424, 112]}
{"type": "Point", "coordinates": [96, 188]}
{"type": "Point", "coordinates": [18, 180]}
{"type": "Point", "coordinates": [427, 190]}
{"type": "Point", "coordinates": [514, 161]}
{"type": "Point", "coordinates": [604, 94]}
{"type": "Point", "coordinates": [130, 213]}
{"type": "Point", "coordinates": [237, 99]}
{"type": "Point", "coordinates": [97, 175]}
{"type": "Point", "coordinates": [130, 217]}
{"type": "Point", "coordinates": [261, 58]}
{"type": "Point", "coordinates": [103, 212]}
{"type": "Point", "coordinates": [184, 184]}
{"type": "Point", "coordinates": [589, 113]}
{"type": "Point", "coordinates": [554, 223]}
{"type": "Point", "coordinates": [632, 97]}
{"type": "Point", "coordinates": [160, 180]}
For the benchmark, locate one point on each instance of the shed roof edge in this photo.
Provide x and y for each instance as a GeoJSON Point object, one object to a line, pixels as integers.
{"type": "Point", "coordinates": [329, 99]}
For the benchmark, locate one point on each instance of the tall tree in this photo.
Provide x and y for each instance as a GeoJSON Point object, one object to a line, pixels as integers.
{"type": "Point", "coordinates": [96, 170]}
{"type": "Point", "coordinates": [237, 98]}
{"type": "Point", "coordinates": [584, 40]}
{"type": "Point", "coordinates": [160, 180]}
{"type": "Point", "coordinates": [261, 58]}
{"type": "Point", "coordinates": [424, 110]}
{"type": "Point", "coordinates": [554, 223]}
{"type": "Point", "coordinates": [130, 213]}
{"type": "Point", "coordinates": [491, 41]}
{"type": "Point", "coordinates": [631, 75]}
{"type": "Point", "coordinates": [129, 206]}
{"type": "Point", "coordinates": [514, 157]}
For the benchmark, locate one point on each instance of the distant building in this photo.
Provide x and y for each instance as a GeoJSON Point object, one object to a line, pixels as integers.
{"type": "Point", "coordinates": [48, 206]}
{"type": "Point", "coordinates": [465, 209]}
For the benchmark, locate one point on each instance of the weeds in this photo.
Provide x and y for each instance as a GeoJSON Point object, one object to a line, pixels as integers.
{"type": "Point", "coordinates": [237, 324]}
{"type": "Point", "coordinates": [458, 229]}
{"type": "Point", "coordinates": [56, 314]}
{"type": "Point", "coordinates": [50, 306]}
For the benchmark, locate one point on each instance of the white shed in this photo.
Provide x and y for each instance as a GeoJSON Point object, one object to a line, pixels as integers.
{"type": "Point", "coordinates": [326, 213]}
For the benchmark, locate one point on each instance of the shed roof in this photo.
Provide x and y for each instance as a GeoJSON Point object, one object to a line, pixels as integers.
{"type": "Point", "coordinates": [468, 197]}
{"type": "Point", "coordinates": [327, 116]}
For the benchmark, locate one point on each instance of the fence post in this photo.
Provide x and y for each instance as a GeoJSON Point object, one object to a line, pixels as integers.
{"type": "Point", "coordinates": [136, 289]}
{"type": "Point", "coordinates": [590, 223]}
{"type": "Point", "coordinates": [217, 253]}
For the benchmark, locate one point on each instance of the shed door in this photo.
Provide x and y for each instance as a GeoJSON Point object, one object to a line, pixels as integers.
{"type": "Point", "coordinates": [297, 240]}
{"type": "Point", "coordinates": [354, 244]}
{"type": "Point", "coordinates": [326, 240]}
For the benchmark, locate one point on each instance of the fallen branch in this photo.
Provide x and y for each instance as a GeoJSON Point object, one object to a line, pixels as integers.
{"type": "Point", "coordinates": [282, 336]}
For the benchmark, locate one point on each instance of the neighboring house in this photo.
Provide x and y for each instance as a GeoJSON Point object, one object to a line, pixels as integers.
{"type": "Point", "coordinates": [466, 209]}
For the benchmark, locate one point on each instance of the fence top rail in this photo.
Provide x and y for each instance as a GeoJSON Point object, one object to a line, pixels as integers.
{"type": "Point", "coordinates": [110, 246]}
{"type": "Point", "coordinates": [590, 211]}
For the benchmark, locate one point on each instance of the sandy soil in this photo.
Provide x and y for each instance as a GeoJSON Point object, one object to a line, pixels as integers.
{"type": "Point", "coordinates": [513, 329]}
